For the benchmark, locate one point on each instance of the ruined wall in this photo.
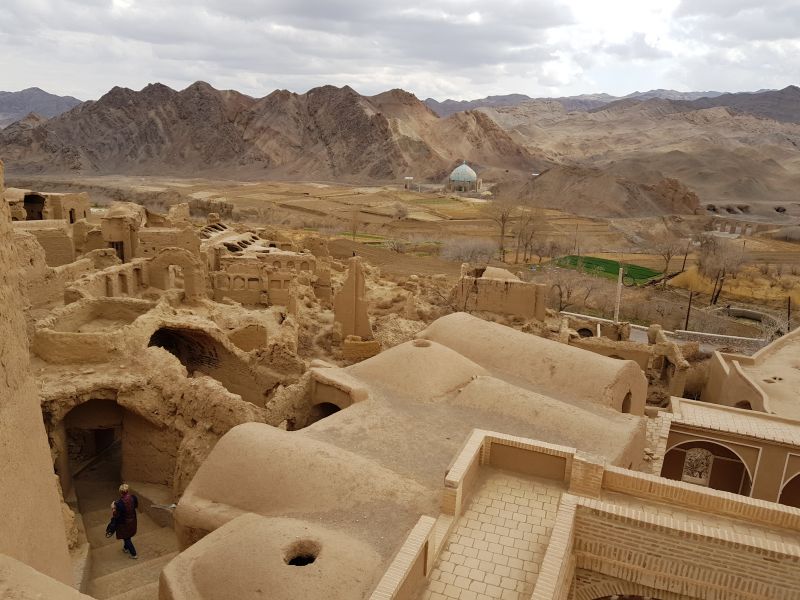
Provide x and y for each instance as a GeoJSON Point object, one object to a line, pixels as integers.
{"type": "Point", "coordinates": [68, 206]}
{"type": "Point", "coordinates": [501, 296]}
{"type": "Point", "coordinates": [128, 279]}
{"type": "Point", "coordinates": [149, 453]}
{"type": "Point", "coordinates": [638, 353]}
{"type": "Point", "coordinates": [55, 237]}
{"type": "Point", "coordinates": [31, 529]}
{"type": "Point", "coordinates": [154, 239]}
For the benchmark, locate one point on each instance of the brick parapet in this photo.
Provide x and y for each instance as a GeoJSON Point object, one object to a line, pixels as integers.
{"type": "Point", "coordinates": [558, 566]}
{"type": "Point", "coordinates": [413, 557]}
{"type": "Point", "coordinates": [678, 493]}
{"type": "Point", "coordinates": [688, 558]}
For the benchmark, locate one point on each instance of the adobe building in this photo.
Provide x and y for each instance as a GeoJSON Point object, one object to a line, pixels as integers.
{"type": "Point", "coordinates": [496, 290]}
{"type": "Point", "coordinates": [733, 450]}
{"type": "Point", "coordinates": [29, 205]}
{"type": "Point", "coordinates": [54, 236]}
{"type": "Point", "coordinates": [767, 381]}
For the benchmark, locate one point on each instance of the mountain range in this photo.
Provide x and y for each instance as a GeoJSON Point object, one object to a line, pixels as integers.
{"type": "Point", "coordinates": [636, 156]}
{"type": "Point", "coordinates": [326, 133]}
{"type": "Point", "coordinates": [16, 105]}
{"type": "Point", "coordinates": [570, 103]}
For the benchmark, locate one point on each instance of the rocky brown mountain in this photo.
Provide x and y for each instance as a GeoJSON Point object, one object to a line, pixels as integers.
{"type": "Point", "coordinates": [581, 102]}
{"type": "Point", "coordinates": [615, 158]}
{"type": "Point", "coordinates": [16, 105]}
{"type": "Point", "coordinates": [326, 133]}
{"type": "Point", "coordinates": [631, 157]}
{"type": "Point", "coordinates": [780, 105]}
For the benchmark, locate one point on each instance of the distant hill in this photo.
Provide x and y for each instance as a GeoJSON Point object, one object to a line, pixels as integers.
{"type": "Point", "coordinates": [672, 95]}
{"type": "Point", "coordinates": [651, 153]}
{"type": "Point", "coordinates": [326, 133]}
{"type": "Point", "coordinates": [16, 105]}
{"type": "Point", "coordinates": [780, 105]}
{"type": "Point", "coordinates": [449, 107]}
{"type": "Point", "coordinates": [570, 103]}
{"type": "Point", "coordinates": [623, 157]}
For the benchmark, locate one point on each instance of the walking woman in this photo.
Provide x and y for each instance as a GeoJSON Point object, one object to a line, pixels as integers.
{"type": "Point", "coordinates": [125, 517]}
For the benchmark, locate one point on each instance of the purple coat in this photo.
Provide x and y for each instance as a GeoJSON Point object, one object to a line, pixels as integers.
{"type": "Point", "coordinates": [125, 513]}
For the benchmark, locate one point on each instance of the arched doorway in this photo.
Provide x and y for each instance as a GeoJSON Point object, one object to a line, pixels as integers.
{"type": "Point", "coordinates": [34, 207]}
{"type": "Point", "coordinates": [709, 464]}
{"type": "Point", "coordinates": [98, 444]}
{"type": "Point", "coordinates": [585, 332]}
{"type": "Point", "coordinates": [322, 410]}
{"type": "Point", "coordinates": [626, 403]}
{"type": "Point", "coordinates": [790, 494]}
{"type": "Point", "coordinates": [92, 446]}
{"type": "Point", "coordinates": [176, 265]}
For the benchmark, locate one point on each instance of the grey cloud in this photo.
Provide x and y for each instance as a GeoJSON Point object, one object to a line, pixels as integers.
{"type": "Point", "coordinates": [636, 47]}
{"type": "Point", "coordinates": [733, 21]}
{"type": "Point", "coordinates": [431, 47]}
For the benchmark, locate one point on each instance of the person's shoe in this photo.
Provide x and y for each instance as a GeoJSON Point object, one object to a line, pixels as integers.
{"type": "Point", "coordinates": [134, 557]}
{"type": "Point", "coordinates": [125, 550]}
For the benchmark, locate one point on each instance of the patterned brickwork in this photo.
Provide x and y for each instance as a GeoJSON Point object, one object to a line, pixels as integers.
{"type": "Point", "coordinates": [587, 476]}
{"type": "Point", "coordinates": [754, 424]}
{"type": "Point", "coordinates": [682, 494]}
{"type": "Point", "coordinates": [499, 542]}
{"type": "Point", "coordinates": [558, 566]}
{"type": "Point", "coordinates": [657, 436]}
{"type": "Point", "coordinates": [590, 586]}
{"type": "Point", "coordinates": [692, 559]}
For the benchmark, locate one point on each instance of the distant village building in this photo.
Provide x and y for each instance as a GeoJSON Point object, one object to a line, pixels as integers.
{"type": "Point", "coordinates": [463, 179]}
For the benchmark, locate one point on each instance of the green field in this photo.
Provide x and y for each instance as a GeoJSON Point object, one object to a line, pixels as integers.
{"type": "Point", "coordinates": [604, 267]}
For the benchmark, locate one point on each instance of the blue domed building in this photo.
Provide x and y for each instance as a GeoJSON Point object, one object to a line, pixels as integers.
{"type": "Point", "coordinates": [463, 179]}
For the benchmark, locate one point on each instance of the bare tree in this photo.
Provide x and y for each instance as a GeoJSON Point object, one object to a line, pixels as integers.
{"type": "Point", "coordinates": [667, 248]}
{"type": "Point", "coordinates": [529, 224]}
{"type": "Point", "coordinates": [502, 212]}
{"type": "Point", "coordinates": [717, 259]}
{"type": "Point", "coordinates": [469, 250]}
{"type": "Point", "coordinates": [549, 247]}
{"type": "Point", "coordinates": [569, 288]}
{"type": "Point", "coordinates": [396, 245]}
{"type": "Point", "coordinates": [355, 222]}
{"type": "Point", "coordinates": [400, 211]}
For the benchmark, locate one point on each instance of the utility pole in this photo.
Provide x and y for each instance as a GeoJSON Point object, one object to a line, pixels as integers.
{"type": "Point", "coordinates": [619, 294]}
{"type": "Point", "coordinates": [685, 255]}
{"type": "Point", "coordinates": [688, 310]}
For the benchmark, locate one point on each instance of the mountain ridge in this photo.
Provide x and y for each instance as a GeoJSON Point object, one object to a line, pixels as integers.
{"type": "Point", "coordinates": [328, 132]}
{"type": "Point", "coordinates": [580, 102]}
{"type": "Point", "coordinates": [17, 105]}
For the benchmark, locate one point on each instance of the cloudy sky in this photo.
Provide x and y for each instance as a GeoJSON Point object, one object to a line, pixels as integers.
{"type": "Point", "coordinates": [440, 48]}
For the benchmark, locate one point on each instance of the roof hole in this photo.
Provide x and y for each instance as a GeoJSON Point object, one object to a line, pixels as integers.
{"type": "Point", "coordinates": [302, 553]}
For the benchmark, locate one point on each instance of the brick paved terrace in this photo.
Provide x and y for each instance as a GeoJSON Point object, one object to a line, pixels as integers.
{"type": "Point", "coordinates": [499, 541]}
